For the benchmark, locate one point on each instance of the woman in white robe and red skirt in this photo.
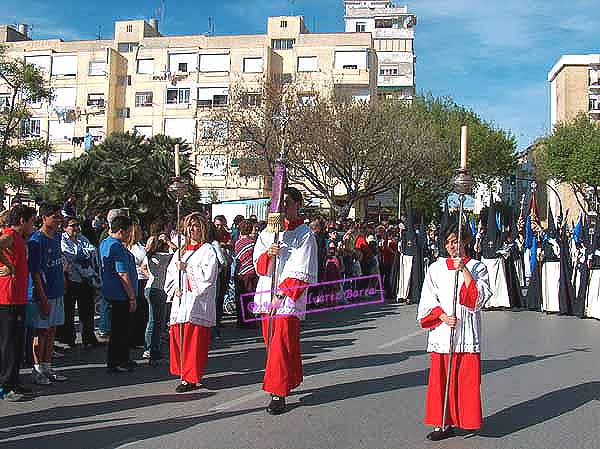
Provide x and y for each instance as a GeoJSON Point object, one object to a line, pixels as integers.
{"type": "Point", "coordinates": [435, 310]}
{"type": "Point", "coordinates": [193, 311]}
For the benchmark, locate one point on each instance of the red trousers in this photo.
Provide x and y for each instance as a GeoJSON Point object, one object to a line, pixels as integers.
{"type": "Point", "coordinates": [283, 372]}
{"type": "Point", "coordinates": [464, 400]}
{"type": "Point", "coordinates": [196, 341]}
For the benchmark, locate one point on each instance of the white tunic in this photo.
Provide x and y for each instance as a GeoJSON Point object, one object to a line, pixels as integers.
{"type": "Point", "coordinates": [498, 282]}
{"type": "Point", "coordinates": [197, 305]}
{"type": "Point", "coordinates": [592, 301]}
{"type": "Point", "coordinates": [438, 292]}
{"type": "Point", "coordinates": [297, 260]}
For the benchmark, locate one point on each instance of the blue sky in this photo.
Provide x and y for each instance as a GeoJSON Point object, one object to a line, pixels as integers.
{"type": "Point", "coordinates": [490, 55]}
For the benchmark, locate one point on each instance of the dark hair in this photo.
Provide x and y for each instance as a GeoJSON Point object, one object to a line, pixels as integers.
{"type": "Point", "coordinates": [18, 213]}
{"type": "Point", "coordinates": [48, 209]}
{"type": "Point", "coordinates": [452, 228]}
{"type": "Point", "coordinates": [238, 219]}
{"type": "Point", "coordinates": [246, 227]}
{"type": "Point", "coordinates": [120, 223]}
{"type": "Point", "coordinates": [294, 193]}
{"type": "Point", "coordinates": [220, 217]}
{"type": "Point", "coordinates": [211, 232]}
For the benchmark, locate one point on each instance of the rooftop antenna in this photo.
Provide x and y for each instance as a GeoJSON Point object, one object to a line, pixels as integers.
{"type": "Point", "coordinates": [99, 35]}
{"type": "Point", "coordinates": [293, 4]}
{"type": "Point", "coordinates": [211, 27]}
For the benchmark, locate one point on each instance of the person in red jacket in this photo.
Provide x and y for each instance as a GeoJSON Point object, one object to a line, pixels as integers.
{"type": "Point", "coordinates": [13, 299]}
{"type": "Point", "coordinates": [296, 252]}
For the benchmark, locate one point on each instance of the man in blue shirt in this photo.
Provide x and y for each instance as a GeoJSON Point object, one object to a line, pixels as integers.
{"type": "Point", "coordinates": [118, 274]}
{"type": "Point", "coordinates": [47, 308]}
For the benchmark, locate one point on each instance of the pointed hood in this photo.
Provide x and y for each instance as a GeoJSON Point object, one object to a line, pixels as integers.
{"type": "Point", "coordinates": [443, 225]}
{"type": "Point", "coordinates": [492, 241]}
{"type": "Point", "coordinates": [551, 230]}
{"type": "Point", "coordinates": [409, 239]}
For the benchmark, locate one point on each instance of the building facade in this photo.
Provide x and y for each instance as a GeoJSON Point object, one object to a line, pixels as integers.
{"type": "Point", "coordinates": [150, 83]}
{"type": "Point", "coordinates": [392, 28]}
{"type": "Point", "coordinates": [574, 89]}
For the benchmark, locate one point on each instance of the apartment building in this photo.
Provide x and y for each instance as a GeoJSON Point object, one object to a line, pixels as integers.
{"type": "Point", "coordinates": [392, 28]}
{"type": "Point", "coordinates": [574, 89]}
{"type": "Point", "coordinates": [155, 84]}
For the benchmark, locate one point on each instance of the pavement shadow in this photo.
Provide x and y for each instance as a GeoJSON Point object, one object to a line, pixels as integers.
{"type": "Point", "coordinates": [115, 436]}
{"type": "Point", "coordinates": [26, 423]}
{"type": "Point", "coordinates": [543, 408]}
{"type": "Point", "coordinates": [350, 390]}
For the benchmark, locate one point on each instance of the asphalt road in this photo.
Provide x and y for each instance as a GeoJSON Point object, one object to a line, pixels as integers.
{"type": "Point", "coordinates": [365, 380]}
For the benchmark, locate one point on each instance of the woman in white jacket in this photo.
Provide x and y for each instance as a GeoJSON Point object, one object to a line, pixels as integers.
{"type": "Point", "coordinates": [193, 312]}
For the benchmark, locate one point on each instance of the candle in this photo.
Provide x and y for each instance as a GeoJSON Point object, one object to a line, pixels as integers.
{"type": "Point", "coordinates": [463, 147]}
{"type": "Point", "coordinates": [177, 168]}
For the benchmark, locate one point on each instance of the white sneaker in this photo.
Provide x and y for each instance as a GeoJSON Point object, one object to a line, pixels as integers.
{"type": "Point", "coordinates": [39, 378]}
{"type": "Point", "coordinates": [55, 377]}
{"type": "Point", "coordinates": [146, 355]}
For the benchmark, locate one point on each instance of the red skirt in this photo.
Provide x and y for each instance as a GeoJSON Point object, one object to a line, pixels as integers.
{"type": "Point", "coordinates": [464, 399]}
{"type": "Point", "coordinates": [283, 372]}
{"type": "Point", "coordinates": [196, 341]}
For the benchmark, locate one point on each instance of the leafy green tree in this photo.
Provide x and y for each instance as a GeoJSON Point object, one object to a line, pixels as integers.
{"type": "Point", "coordinates": [571, 154]}
{"type": "Point", "coordinates": [24, 84]}
{"type": "Point", "coordinates": [126, 170]}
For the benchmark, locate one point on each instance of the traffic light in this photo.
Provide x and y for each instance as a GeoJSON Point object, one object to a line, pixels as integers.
{"type": "Point", "coordinates": [513, 180]}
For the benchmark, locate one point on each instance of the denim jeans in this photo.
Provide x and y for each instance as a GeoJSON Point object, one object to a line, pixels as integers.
{"type": "Point", "coordinates": [104, 325]}
{"type": "Point", "coordinates": [156, 307]}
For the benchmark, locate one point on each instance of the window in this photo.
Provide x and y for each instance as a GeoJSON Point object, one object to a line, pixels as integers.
{"type": "Point", "coordinates": [307, 99]}
{"type": "Point", "coordinates": [213, 130]}
{"type": "Point", "coordinates": [178, 96]}
{"type": "Point", "coordinates": [351, 60]}
{"type": "Point", "coordinates": [253, 65]}
{"type": "Point", "coordinates": [183, 128]}
{"type": "Point", "coordinates": [59, 130]}
{"type": "Point", "coordinates": [30, 128]}
{"type": "Point", "coordinates": [64, 97]}
{"type": "Point", "coordinates": [183, 62]}
{"type": "Point", "coordinates": [251, 99]}
{"type": "Point", "coordinates": [97, 132]}
{"type": "Point", "coordinates": [383, 23]}
{"type": "Point", "coordinates": [307, 64]}
{"type": "Point", "coordinates": [145, 66]}
{"type": "Point", "coordinates": [97, 68]}
{"type": "Point", "coordinates": [95, 100]}
{"type": "Point", "coordinates": [213, 165]}
{"type": "Point", "coordinates": [388, 71]}
{"type": "Point", "coordinates": [127, 47]}
{"type": "Point", "coordinates": [213, 96]}
{"type": "Point", "coordinates": [282, 44]}
{"type": "Point", "coordinates": [361, 27]}
{"type": "Point", "coordinates": [43, 63]}
{"type": "Point", "coordinates": [143, 130]}
{"type": "Point", "coordinates": [123, 113]}
{"type": "Point", "coordinates": [4, 101]}
{"type": "Point", "coordinates": [129, 28]}
{"type": "Point", "coordinates": [214, 63]}
{"type": "Point", "coordinates": [143, 99]}
{"type": "Point", "coordinates": [64, 65]}
{"type": "Point", "coordinates": [283, 24]}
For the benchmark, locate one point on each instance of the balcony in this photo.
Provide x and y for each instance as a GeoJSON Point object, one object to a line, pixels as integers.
{"type": "Point", "coordinates": [397, 80]}
{"type": "Point", "coordinates": [351, 76]}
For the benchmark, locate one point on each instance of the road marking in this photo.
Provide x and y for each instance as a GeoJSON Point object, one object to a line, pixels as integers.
{"type": "Point", "coordinates": [401, 339]}
{"type": "Point", "coordinates": [238, 401]}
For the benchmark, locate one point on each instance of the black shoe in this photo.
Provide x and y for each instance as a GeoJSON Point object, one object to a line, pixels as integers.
{"type": "Point", "coordinates": [439, 434]}
{"type": "Point", "coordinates": [25, 391]}
{"type": "Point", "coordinates": [184, 387]}
{"type": "Point", "coordinates": [276, 406]}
